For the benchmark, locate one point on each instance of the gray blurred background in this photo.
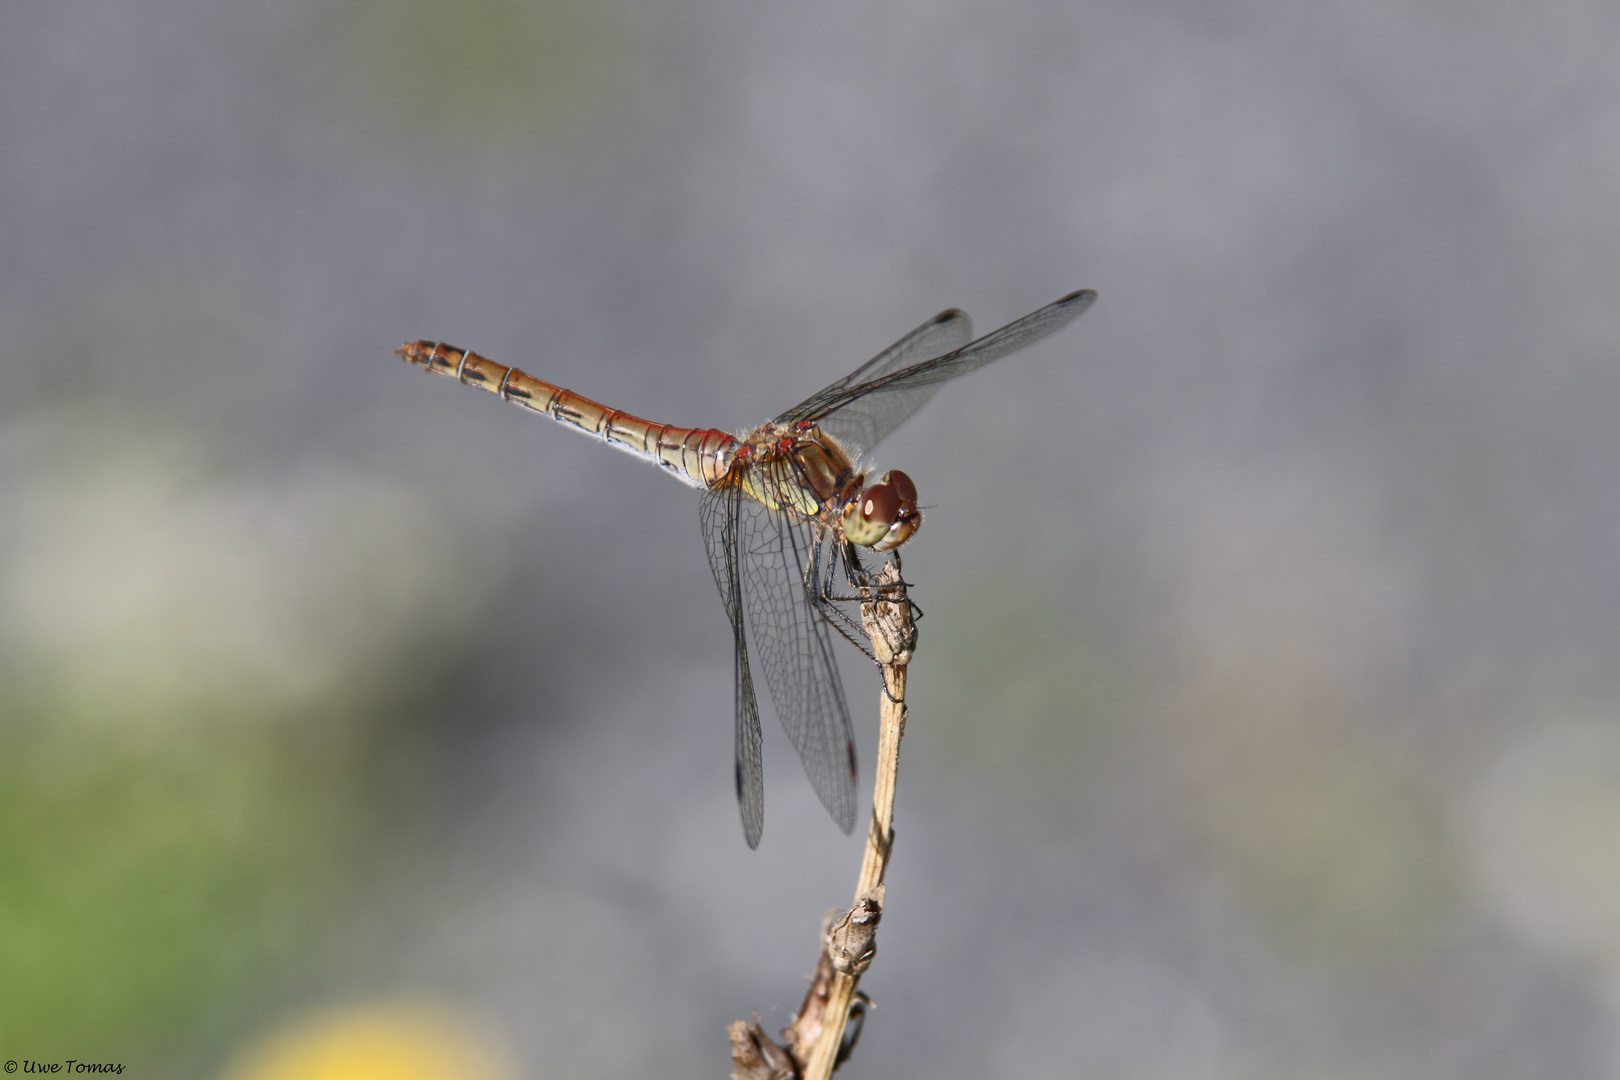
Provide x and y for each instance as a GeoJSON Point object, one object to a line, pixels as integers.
{"type": "Point", "coordinates": [1265, 721]}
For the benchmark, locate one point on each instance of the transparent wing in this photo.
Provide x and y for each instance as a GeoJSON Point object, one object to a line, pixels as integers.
{"type": "Point", "coordinates": [719, 518]}
{"type": "Point", "coordinates": [946, 332]}
{"type": "Point", "coordinates": [794, 648]}
{"type": "Point", "coordinates": [861, 409]}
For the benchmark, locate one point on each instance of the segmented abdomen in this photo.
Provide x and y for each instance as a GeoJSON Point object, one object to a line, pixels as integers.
{"type": "Point", "coordinates": [699, 456]}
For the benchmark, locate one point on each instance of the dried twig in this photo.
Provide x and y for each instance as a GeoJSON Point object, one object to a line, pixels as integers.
{"type": "Point", "coordinates": [814, 1043]}
{"type": "Point", "coordinates": [755, 1057]}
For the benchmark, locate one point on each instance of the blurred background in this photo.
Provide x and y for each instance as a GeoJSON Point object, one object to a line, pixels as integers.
{"type": "Point", "coordinates": [1265, 720]}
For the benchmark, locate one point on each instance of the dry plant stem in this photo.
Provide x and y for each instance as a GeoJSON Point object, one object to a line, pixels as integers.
{"type": "Point", "coordinates": [813, 1040]}
{"type": "Point", "coordinates": [893, 636]}
{"type": "Point", "coordinates": [755, 1057]}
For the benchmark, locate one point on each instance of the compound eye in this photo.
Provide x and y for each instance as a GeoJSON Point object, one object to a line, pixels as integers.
{"type": "Point", "coordinates": [880, 504]}
{"type": "Point", "coordinates": [903, 487]}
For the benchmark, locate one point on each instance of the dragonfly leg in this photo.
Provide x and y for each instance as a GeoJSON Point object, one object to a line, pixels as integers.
{"type": "Point", "coordinates": [819, 576]}
{"type": "Point", "coordinates": [862, 580]}
{"type": "Point", "coordinates": [832, 597]}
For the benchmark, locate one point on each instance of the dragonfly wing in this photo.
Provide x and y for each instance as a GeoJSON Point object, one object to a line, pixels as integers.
{"type": "Point", "coordinates": [720, 520]}
{"type": "Point", "coordinates": [795, 651]}
{"type": "Point", "coordinates": [944, 333]}
{"type": "Point", "coordinates": [863, 412]}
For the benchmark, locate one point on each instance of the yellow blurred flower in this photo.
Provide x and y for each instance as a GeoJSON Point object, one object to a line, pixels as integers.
{"type": "Point", "coordinates": [380, 1041]}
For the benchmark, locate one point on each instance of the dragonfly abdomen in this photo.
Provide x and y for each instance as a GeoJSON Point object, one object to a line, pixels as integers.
{"type": "Point", "coordinates": [696, 456]}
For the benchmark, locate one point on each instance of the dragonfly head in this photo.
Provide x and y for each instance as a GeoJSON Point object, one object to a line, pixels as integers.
{"type": "Point", "coordinates": [884, 515]}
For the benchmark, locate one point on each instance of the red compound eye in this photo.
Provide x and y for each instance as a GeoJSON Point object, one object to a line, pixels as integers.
{"type": "Point", "coordinates": [880, 504]}
{"type": "Point", "coordinates": [903, 487]}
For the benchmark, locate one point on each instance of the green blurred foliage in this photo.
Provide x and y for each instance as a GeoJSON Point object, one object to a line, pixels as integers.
{"type": "Point", "coordinates": [211, 685]}
{"type": "Point", "coordinates": [139, 884]}
{"type": "Point", "coordinates": [485, 80]}
{"type": "Point", "coordinates": [155, 873]}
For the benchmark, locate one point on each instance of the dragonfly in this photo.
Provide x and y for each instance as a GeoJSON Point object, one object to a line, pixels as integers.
{"type": "Point", "coordinates": [787, 513]}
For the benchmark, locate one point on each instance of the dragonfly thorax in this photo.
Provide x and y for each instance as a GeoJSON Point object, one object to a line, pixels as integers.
{"type": "Point", "coordinates": [798, 470]}
{"type": "Point", "coordinates": [803, 471]}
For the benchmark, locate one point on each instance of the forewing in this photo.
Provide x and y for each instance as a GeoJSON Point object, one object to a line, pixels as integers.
{"type": "Point", "coordinates": [794, 649]}
{"type": "Point", "coordinates": [718, 515]}
{"type": "Point", "coordinates": [944, 333]}
{"type": "Point", "coordinates": [861, 412]}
